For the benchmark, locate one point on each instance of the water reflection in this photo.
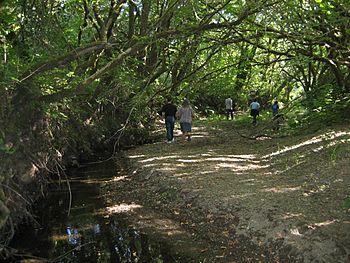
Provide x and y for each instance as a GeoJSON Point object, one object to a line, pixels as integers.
{"type": "Point", "coordinates": [73, 228]}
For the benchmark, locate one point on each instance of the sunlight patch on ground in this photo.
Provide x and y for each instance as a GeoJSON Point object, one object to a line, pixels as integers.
{"type": "Point", "coordinates": [180, 175]}
{"type": "Point", "coordinates": [243, 156]}
{"type": "Point", "coordinates": [327, 136]}
{"type": "Point", "coordinates": [287, 149]}
{"type": "Point", "coordinates": [235, 163]}
{"type": "Point", "coordinates": [159, 158]}
{"type": "Point", "coordinates": [164, 166]}
{"type": "Point", "coordinates": [118, 178]}
{"type": "Point", "coordinates": [225, 160]}
{"type": "Point", "coordinates": [150, 165]}
{"type": "Point", "coordinates": [188, 161]}
{"type": "Point", "coordinates": [169, 168]}
{"type": "Point", "coordinates": [295, 232]}
{"type": "Point", "coordinates": [334, 143]}
{"type": "Point", "coordinates": [205, 154]}
{"type": "Point", "coordinates": [238, 167]}
{"type": "Point", "coordinates": [200, 135]}
{"type": "Point", "coordinates": [136, 156]}
{"type": "Point", "coordinates": [229, 159]}
{"type": "Point", "coordinates": [248, 180]}
{"type": "Point", "coordinates": [122, 208]}
{"type": "Point", "coordinates": [282, 190]}
{"type": "Point", "coordinates": [263, 138]}
{"type": "Point", "coordinates": [325, 223]}
{"type": "Point", "coordinates": [292, 215]}
{"type": "Point", "coordinates": [205, 172]}
{"type": "Point", "coordinates": [243, 195]}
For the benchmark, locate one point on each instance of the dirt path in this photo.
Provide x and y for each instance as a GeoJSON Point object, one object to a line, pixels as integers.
{"type": "Point", "coordinates": [226, 198]}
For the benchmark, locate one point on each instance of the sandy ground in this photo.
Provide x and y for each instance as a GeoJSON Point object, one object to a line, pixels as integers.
{"type": "Point", "coordinates": [231, 195]}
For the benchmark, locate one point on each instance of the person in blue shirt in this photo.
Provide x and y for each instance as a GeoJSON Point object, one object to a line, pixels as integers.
{"type": "Point", "coordinates": [275, 108]}
{"type": "Point", "coordinates": [254, 110]}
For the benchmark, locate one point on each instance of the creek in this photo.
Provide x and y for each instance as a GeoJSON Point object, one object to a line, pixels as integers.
{"type": "Point", "coordinates": [72, 226]}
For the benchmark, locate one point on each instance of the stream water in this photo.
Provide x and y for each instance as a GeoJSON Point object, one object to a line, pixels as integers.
{"type": "Point", "coordinates": [71, 226]}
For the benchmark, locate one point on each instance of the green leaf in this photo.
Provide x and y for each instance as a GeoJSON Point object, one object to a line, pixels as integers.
{"type": "Point", "coordinates": [346, 203]}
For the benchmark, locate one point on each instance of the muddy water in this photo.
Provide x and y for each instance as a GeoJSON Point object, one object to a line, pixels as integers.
{"type": "Point", "coordinates": [71, 226]}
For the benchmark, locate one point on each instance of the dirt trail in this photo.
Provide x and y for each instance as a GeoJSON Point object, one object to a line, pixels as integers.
{"type": "Point", "coordinates": [225, 198]}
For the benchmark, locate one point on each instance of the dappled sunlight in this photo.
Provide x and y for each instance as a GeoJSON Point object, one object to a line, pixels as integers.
{"type": "Point", "coordinates": [331, 144]}
{"type": "Point", "coordinates": [180, 175]}
{"type": "Point", "coordinates": [240, 167]}
{"type": "Point", "coordinates": [290, 167]}
{"type": "Point", "coordinates": [239, 181]}
{"type": "Point", "coordinates": [151, 165]}
{"type": "Point", "coordinates": [166, 226]}
{"type": "Point", "coordinates": [204, 154]}
{"type": "Point", "coordinates": [211, 160]}
{"type": "Point", "coordinates": [118, 178]}
{"type": "Point", "coordinates": [201, 135]}
{"type": "Point", "coordinates": [189, 161]}
{"type": "Point", "coordinates": [159, 158]}
{"type": "Point", "coordinates": [295, 232]}
{"type": "Point", "coordinates": [326, 223]}
{"type": "Point", "coordinates": [200, 132]}
{"type": "Point", "coordinates": [169, 168]}
{"type": "Point", "coordinates": [323, 224]}
{"type": "Point", "coordinates": [122, 208]}
{"type": "Point", "coordinates": [229, 158]}
{"type": "Point", "coordinates": [281, 189]}
{"type": "Point", "coordinates": [241, 196]}
{"type": "Point", "coordinates": [315, 140]}
{"type": "Point", "coordinates": [205, 172]}
{"type": "Point", "coordinates": [292, 215]}
{"type": "Point", "coordinates": [290, 148]}
{"type": "Point", "coordinates": [248, 180]}
{"type": "Point", "coordinates": [136, 156]}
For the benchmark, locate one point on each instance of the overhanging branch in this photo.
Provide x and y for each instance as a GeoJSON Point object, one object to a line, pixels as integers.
{"type": "Point", "coordinates": [63, 61]}
{"type": "Point", "coordinates": [81, 88]}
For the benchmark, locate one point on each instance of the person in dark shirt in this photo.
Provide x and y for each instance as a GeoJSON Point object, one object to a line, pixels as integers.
{"type": "Point", "coordinates": [275, 108]}
{"type": "Point", "coordinates": [169, 111]}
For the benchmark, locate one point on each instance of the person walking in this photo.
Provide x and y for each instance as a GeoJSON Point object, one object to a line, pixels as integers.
{"type": "Point", "coordinates": [186, 115]}
{"type": "Point", "coordinates": [277, 118]}
{"type": "Point", "coordinates": [168, 111]}
{"type": "Point", "coordinates": [275, 108]}
{"type": "Point", "coordinates": [254, 110]}
{"type": "Point", "coordinates": [229, 108]}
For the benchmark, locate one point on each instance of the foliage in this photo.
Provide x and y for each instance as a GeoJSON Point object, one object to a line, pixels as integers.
{"type": "Point", "coordinates": [346, 203]}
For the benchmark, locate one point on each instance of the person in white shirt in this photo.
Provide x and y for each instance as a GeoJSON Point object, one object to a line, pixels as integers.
{"type": "Point", "coordinates": [229, 108]}
{"type": "Point", "coordinates": [185, 115]}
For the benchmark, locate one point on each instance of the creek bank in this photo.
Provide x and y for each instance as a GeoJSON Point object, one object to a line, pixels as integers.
{"type": "Point", "coordinates": [72, 226]}
{"type": "Point", "coordinates": [225, 198]}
